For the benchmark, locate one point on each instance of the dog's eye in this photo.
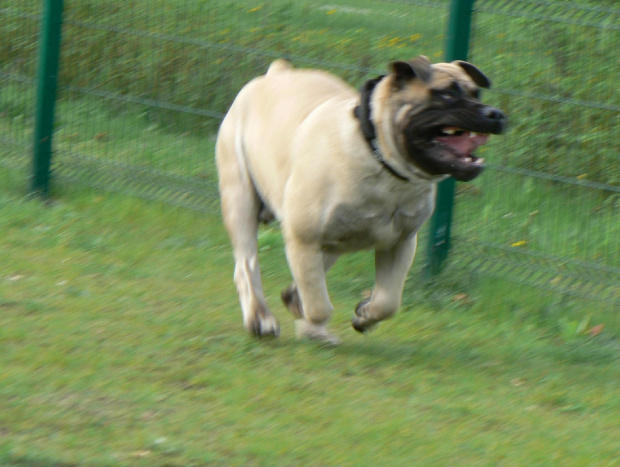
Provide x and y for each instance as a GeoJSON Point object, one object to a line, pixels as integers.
{"type": "Point", "coordinates": [448, 96]}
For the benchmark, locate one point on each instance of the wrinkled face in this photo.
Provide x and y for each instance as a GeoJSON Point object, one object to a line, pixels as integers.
{"type": "Point", "coordinates": [447, 122]}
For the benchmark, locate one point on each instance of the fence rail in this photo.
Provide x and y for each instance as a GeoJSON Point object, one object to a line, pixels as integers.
{"type": "Point", "coordinates": [142, 89]}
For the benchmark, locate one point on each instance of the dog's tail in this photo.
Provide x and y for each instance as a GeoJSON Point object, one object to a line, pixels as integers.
{"type": "Point", "coordinates": [279, 65]}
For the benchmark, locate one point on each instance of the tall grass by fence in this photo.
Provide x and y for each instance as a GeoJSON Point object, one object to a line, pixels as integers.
{"type": "Point", "coordinates": [143, 86]}
{"type": "Point", "coordinates": [555, 184]}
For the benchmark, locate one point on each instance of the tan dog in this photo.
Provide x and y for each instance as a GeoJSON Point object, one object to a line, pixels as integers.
{"type": "Point", "coordinates": [343, 171]}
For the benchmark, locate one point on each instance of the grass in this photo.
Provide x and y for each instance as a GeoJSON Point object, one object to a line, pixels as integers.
{"type": "Point", "coordinates": [122, 345]}
{"type": "Point", "coordinates": [120, 330]}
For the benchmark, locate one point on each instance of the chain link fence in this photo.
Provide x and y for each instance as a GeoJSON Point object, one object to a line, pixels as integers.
{"type": "Point", "coordinates": [19, 27]}
{"type": "Point", "coordinates": [143, 86]}
{"type": "Point", "coordinates": [554, 183]}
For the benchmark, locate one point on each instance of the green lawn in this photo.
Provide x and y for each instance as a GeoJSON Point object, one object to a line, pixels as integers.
{"type": "Point", "coordinates": [122, 344]}
{"type": "Point", "coordinates": [121, 338]}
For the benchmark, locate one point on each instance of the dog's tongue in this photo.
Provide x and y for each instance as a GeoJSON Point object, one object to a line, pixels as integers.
{"type": "Point", "coordinates": [464, 144]}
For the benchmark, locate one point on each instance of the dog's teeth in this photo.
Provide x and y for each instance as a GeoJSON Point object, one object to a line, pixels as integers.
{"type": "Point", "coordinates": [449, 131]}
{"type": "Point", "coordinates": [468, 159]}
{"type": "Point", "coordinates": [479, 161]}
{"type": "Point", "coordinates": [473, 134]}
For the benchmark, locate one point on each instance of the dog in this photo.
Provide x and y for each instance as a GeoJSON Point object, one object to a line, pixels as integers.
{"type": "Point", "coordinates": [342, 171]}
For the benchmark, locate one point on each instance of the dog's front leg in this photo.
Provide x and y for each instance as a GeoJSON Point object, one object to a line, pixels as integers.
{"type": "Point", "coordinates": [391, 268]}
{"type": "Point", "coordinates": [308, 264]}
{"type": "Point", "coordinates": [290, 295]}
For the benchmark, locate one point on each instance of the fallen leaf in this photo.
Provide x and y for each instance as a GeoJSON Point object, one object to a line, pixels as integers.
{"type": "Point", "coordinates": [462, 298]}
{"type": "Point", "coordinates": [596, 330]}
{"type": "Point", "coordinates": [556, 280]}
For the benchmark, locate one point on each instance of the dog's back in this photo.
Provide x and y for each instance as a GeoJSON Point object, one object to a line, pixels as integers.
{"type": "Point", "coordinates": [282, 97]}
{"type": "Point", "coordinates": [265, 118]}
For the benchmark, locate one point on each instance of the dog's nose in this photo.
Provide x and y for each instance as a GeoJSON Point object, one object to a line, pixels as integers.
{"type": "Point", "coordinates": [496, 116]}
{"type": "Point", "coordinates": [493, 113]}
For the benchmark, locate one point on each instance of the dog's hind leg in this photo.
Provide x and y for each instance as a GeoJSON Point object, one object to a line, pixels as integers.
{"type": "Point", "coordinates": [391, 268]}
{"type": "Point", "coordinates": [241, 208]}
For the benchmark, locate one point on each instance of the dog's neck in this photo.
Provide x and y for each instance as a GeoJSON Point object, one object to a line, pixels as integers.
{"type": "Point", "coordinates": [362, 113]}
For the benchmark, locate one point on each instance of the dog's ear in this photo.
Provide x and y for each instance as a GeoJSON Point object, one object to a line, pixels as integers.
{"type": "Point", "coordinates": [419, 67]}
{"type": "Point", "coordinates": [474, 73]}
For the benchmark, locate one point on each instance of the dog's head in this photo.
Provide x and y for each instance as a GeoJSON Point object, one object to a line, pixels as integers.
{"type": "Point", "coordinates": [437, 119]}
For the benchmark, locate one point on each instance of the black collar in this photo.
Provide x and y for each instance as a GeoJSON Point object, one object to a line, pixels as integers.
{"type": "Point", "coordinates": [362, 113]}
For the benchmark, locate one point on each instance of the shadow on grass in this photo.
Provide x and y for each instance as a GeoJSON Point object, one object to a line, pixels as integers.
{"type": "Point", "coordinates": [38, 462]}
{"type": "Point", "coordinates": [456, 353]}
{"type": "Point", "coordinates": [34, 462]}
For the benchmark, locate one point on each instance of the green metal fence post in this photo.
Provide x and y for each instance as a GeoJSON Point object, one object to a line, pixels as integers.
{"type": "Point", "coordinates": [457, 46]}
{"type": "Point", "coordinates": [49, 51]}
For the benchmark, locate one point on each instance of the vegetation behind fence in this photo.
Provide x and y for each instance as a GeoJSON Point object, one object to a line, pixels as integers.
{"type": "Point", "coordinates": [143, 86]}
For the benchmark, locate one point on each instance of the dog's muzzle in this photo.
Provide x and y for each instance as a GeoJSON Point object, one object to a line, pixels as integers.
{"type": "Point", "coordinates": [443, 141]}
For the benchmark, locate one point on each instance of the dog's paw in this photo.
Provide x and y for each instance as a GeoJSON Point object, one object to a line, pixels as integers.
{"type": "Point", "coordinates": [263, 326]}
{"type": "Point", "coordinates": [361, 323]}
{"type": "Point", "coordinates": [290, 297]}
{"type": "Point", "coordinates": [315, 332]}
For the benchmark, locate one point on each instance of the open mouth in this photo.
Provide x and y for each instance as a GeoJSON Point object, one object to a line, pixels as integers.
{"type": "Point", "coordinates": [443, 141]}
{"type": "Point", "coordinates": [460, 143]}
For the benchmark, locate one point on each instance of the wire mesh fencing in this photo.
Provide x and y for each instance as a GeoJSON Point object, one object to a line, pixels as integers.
{"type": "Point", "coordinates": [19, 33]}
{"type": "Point", "coordinates": [144, 84]}
{"type": "Point", "coordinates": [546, 213]}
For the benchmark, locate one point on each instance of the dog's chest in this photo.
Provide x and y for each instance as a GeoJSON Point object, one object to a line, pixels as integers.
{"type": "Point", "coordinates": [375, 223]}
